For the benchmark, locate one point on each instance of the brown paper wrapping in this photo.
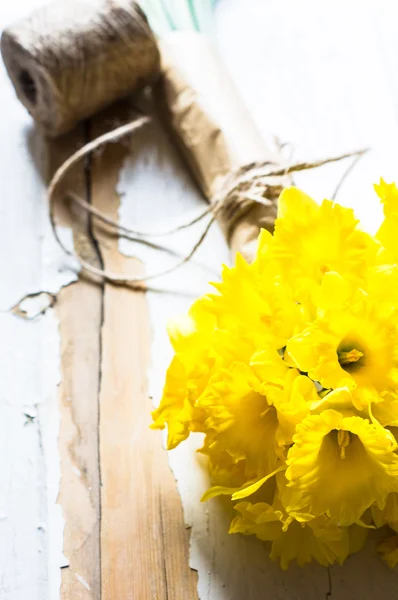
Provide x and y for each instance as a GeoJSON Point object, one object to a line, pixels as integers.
{"type": "Point", "coordinates": [211, 126]}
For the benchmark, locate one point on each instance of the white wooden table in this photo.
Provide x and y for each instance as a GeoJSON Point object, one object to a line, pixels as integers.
{"type": "Point", "coordinates": [89, 508]}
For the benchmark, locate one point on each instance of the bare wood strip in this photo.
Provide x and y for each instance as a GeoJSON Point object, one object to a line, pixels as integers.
{"type": "Point", "coordinates": [79, 309]}
{"type": "Point", "coordinates": [144, 544]}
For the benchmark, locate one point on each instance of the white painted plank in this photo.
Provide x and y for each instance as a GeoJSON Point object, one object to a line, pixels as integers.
{"type": "Point", "coordinates": [31, 522]}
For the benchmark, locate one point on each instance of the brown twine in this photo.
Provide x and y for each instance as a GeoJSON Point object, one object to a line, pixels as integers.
{"type": "Point", "coordinates": [252, 184]}
{"type": "Point", "coordinates": [345, 175]}
{"type": "Point", "coordinates": [70, 59]}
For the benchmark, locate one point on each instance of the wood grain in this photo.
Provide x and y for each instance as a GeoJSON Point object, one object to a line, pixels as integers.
{"type": "Point", "coordinates": [79, 310]}
{"type": "Point", "coordinates": [144, 543]}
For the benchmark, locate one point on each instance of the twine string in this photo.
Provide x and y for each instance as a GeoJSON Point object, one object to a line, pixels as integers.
{"type": "Point", "coordinates": [132, 234]}
{"type": "Point", "coordinates": [258, 183]}
{"type": "Point", "coordinates": [347, 172]}
{"type": "Point", "coordinates": [69, 60]}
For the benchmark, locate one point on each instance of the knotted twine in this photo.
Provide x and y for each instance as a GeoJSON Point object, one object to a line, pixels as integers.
{"type": "Point", "coordinates": [258, 183]}
{"type": "Point", "coordinates": [69, 60]}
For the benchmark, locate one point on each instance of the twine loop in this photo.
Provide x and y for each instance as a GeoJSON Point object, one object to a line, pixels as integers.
{"type": "Point", "coordinates": [258, 183]}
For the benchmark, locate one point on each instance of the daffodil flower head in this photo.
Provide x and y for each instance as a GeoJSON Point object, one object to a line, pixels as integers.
{"type": "Point", "coordinates": [340, 466]}
{"type": "Point", "coordinates": [289, 370]}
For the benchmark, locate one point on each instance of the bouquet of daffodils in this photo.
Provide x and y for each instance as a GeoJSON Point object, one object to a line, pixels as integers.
{"type": "Point", "coordinates": [290, 369]}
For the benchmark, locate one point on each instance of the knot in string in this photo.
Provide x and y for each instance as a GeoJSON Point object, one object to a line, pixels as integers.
{"type": "Point", "coordinates": [249, 186]}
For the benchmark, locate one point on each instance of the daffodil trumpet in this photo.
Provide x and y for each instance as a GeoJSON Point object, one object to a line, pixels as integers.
{"type": "Point", "coordinates": [290, 370]}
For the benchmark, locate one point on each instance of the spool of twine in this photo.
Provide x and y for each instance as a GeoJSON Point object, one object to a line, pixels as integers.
{"type": "Point", "coordinates": [72, 58]}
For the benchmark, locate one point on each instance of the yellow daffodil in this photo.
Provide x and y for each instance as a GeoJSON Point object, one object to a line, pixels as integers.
{"type": "Point", "coordinates": [236, 292]}
{"type": "Point", "coordinates": [352, 346]}
{"type": "Point", "coordinates": [275, 314]}
{"type": "Point", "coordinates": [340, 466]}
{"type": "Point", "coordinates": [311, 240]}
{"type": "Point", "coordinates": [289, 369]}
{"type": "Point", "coordinates": [387, 234]}
{"type": "Point", "coordinates": [187, 375]}
{"type": "Point", "coordinates": [251, 421]}
{"type": "Point", "coordinates": [292, 401]}
{"type": "Point", "coordinates": [176, 410]}
{"type": "Point", "coordinates": [241, 420]}
{"type": "Point", "coordinates": [298, 536]}
{"type": "Point", "coordinates": [387, 513]}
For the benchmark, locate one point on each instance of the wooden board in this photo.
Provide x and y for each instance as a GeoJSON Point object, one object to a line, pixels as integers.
{"type": "Point", "coordinates": [144, 544]}
{"type": "Point", "coordinates": [79, 310]}
{"type": "Point", "coordinates": [89, 508]}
